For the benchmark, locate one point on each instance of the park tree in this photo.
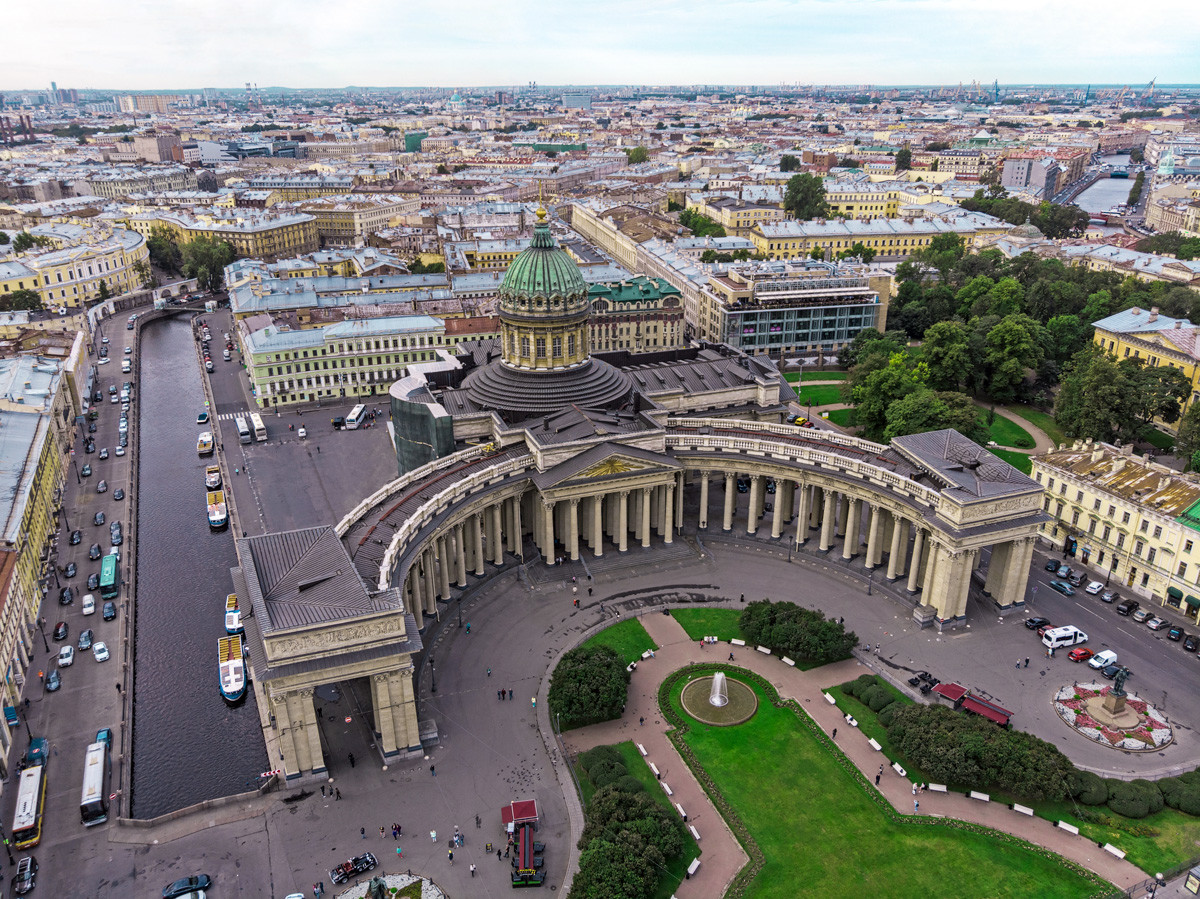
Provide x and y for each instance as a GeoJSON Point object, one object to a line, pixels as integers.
{"type": "Point", "coordinates": [1152, 392]}
{"type": "Point", "coordinates": [927, 410]}
{"type": "Point", "coordinates": [1067, 335]}
{"type": "Point", "coordinates": [164, 252]}
{"type": "Point", "coordinates": [876, 392]}
{"type": "Point", "coordinates": [588, 685]}
{"type": "Point", "coordinates": [804, 197]}
{"type": "Point", "coordinates": [904, 159]}
{"type": "Point", "coordinates": [1187, 440]}
{"type": "Point", "coordinates": [636, 155]}
{"type": "Point", "coordinates": [20, 300]}
{"type": "Point", "coordinates": [788, 163]}
{"type": "Point", "coordinates": [972, 297]}
{"type": "Point", "coordinates": [946, 351]}
{"type": "Point", "coordinates": [1012, 347]}
{"type": "Point", "coordinates": [1090, 399]}
{"type": "Point", "coordinates": [23, 241]}
{"type": "Point", "coordinates": [4, 238]}
{"type": "Point", "coordinates": [103, 293]}
{"type": "Point", "coordinates": [205, 259]}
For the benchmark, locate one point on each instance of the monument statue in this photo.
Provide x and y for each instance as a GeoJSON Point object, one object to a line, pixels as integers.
{"type": "Point", "coordinates": [377, 888]}
{"type": "Point", "coordinates": [1119, 682]}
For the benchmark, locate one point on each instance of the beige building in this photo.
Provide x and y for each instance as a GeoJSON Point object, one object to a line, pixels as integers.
{"type": "Point", "coordinates": [1134, 519]}
{"type": "Point", "coordinates": [736, 215]}
{"type": "Point", "coordinates": [349, 220]}
{"type": "Point", "coordinates": [890, 238]}
{"type": "Point", "coordinates": [252, 233]}
{"type": "Point", "coordinates": [69, 273]}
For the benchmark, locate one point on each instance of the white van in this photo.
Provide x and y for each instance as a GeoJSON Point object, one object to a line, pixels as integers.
{"type": "Point", "coordinates": [89, 604]}
{"type": "Point", "coordinates": [1069, 635]}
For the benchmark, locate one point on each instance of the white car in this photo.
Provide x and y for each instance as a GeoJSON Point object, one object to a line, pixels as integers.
{"type": "Point", "coordinates": [1094, 587]}
{"type": "Point", "coordinates": [66, 657]}
{"type": "Point", "coordinates": [89, 604]}
{"type": "Point", "coordinates": [100, 651]}
{"type": "Point", "coordinates": [1103, 659]}
{"type": "Point", "coordinates": [301, 432]}
{"type": "Point", "coordinates": [103, 360]}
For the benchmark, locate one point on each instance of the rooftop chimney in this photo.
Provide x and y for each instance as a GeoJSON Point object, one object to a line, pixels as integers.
{"type": "Point", "coordinates": [1153, 314]}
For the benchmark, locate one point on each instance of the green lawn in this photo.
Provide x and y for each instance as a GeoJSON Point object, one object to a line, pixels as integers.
{"type": "Point", "coordinates": [1019, 461]}
{"type": "Point", "coordinates": [815, 376]}
{"type": "Point", "coordinates": [869, 724]}
{"type": "Point", "coordinates": [701, 623]}
{"type": "Point", "coordinates": [636, 765]}
{"type": "Point", "coordinates": [821, 395]}
{"type": "Point", "coordinates": [628, 638]}
{"type": "Point", "coordinates": [821, 832]}
{"type": "Point", "coordinates": [843, 417]}
{"type": "Point", "coordinates": [1040, 419]}
{"type": "Point", "coordinates": [1009, 433]}
{"type": "Point", "coordinates": [1163, 442]}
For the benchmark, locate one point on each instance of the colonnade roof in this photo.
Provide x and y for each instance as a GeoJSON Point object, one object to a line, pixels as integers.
{"type": "Point", "coordinates": [966, 469]}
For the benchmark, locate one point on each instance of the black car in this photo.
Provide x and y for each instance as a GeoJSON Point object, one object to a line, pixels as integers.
{"type": "Point", "coordinates": [26, 877]}
{"type": "Point", "coordinates": [119, 493]}
{"type": "Point", "coordinates": [94, 552]}
{"type": "Point", "coordinates": [60, 631]}
{"type": "Point", "coordinates": [89, 447]}
{"type": "Point", "coordinates": [85, 640]}
{"type": "Point", "coordinates": [94, 581]}
{"type": "Point", "coordinates": [355, 866]}
{"type": "Point", "coordinates": [76, 537]}
{"type": "Point", "coordinates": [70, 570]}
{"type": "Point", "coordinates": [86, 471]}
{"type": "Point", "coordinates": [187, 885]}
{"type": "Point", "coordinates": [1127, 607]}
{"type": "Point", "coordinates": [66, 596]}
{"type": "Point", "coordinates": [1175, 633]}
{"type": "Point", "coordinates": [1034, 623]}
{"type": "Point", "coordinates": [53, 681]}
{"type": "Point", "coordinates": [1052, 565]}
{"type": "Point", "coordinates": [1111, 671]}
{"type": "Point", "coordinates": [115, 534]}
{"type": "Point", "coordinates": [99, 519]}
{"type": "Point", "coordinates": [1190, 643]}
{"type": "Point", "coordinates": [110, 611]}
{"type": "Point", "coordinates": [91, 427]}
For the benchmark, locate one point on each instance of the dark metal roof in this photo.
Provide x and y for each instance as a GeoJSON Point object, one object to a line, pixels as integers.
{"type": "Point", "coordinates": [964, 469]}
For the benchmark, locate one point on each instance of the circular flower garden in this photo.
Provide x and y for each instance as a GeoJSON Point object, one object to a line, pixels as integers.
{"type": "Point", "coordinates": [1151, 731]}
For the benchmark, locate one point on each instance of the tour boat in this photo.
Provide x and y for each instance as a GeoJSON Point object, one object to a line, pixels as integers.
{"type": "Point", "coordinates": [218, 513]}
{"type": "Point", "coordinates": [233, 615]}
{"type": "Point", "coordinates": [204, 445]}
{"type": "Point", "coordinates": [212, 477]}
{"type": "Point", "coordinates": [233, 668]}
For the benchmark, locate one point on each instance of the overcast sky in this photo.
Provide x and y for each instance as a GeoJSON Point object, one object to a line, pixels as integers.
{"type": "Point", "coordinates": [182, 44]}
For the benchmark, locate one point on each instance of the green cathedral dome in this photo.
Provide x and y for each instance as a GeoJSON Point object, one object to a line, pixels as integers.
{"type": "Point", "coordinates": [543, 270]}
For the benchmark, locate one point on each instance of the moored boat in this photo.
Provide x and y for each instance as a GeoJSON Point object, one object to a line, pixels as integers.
{"type": "Point", "coordinates": [218, 513]}
{"type": "Point", "coordinates": [233, 668]}
{"type": "Point", "coordinates": [204, 444]}
{"type": "Point", "coordinates": [233, 616]}
{"type": "Point", "coordinates": [212, 477]}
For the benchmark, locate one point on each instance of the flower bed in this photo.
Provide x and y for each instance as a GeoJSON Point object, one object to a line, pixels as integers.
{"type": "Point", "coordinates": [1149, 734]}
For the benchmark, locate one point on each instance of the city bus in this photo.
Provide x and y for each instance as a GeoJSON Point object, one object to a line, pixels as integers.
{"type": "Point", "coordinates": [110, 577]}
{"type": "Point", "coordinates": [356, 417]}
{"type": "Point", "coordinates": [31, 803]}
{"type": "Point", "coordinates": [93, 803]}
{"type": "Point", "coordinates": [256, 425]}
{"type": "Point", "coordinates": [243, 430]}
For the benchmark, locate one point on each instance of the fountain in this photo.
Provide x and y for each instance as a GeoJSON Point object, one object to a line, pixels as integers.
{"type": "Point", "coordinates": [719, 695]}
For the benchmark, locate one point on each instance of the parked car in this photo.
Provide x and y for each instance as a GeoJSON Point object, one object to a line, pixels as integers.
{"type": "Point", "coordinates": [86, 636]}
{"type": "Point", "coordinates": [103, 454]}
{"type": "Point", "coordinates": [53, 681]}
{"type": "Point", "coordinates": [102, 487]}
{"type": "Point", "coordinates": [1127, 606]}
{"type": "Point", "coordinates": [105, 735]}
{"type": "Point", "coordinates": [1052, 565]}
{"type": "Point", "coordinates": [60, 631]}
{"type": "Point", "coordinates": [93, 581]}
{"type": "Point", "coordinates": [1190, 643]}
{"type": "Point", "coordinates": [1175, 633]}
{"type": "Point", "coordinates": [1062, 587]}
{"type": "Point", "coordinates": [100, 651]}
{"type": "Point", "coordinates": [301, 432]}
{"type": "Point", "coordinates": [1109, 596]}
{"type": "Point", "coordinates": [1034, 623]}
{"type": "Point", "coordinates": [70, 570]}
{"type": "Point", "coordinates": [26, 877]}
{"type": "Point", "coordinates": [1111, 671]}
{"type": "Point", "coordinates": [98, 519]}
{"type": "Point", "coordinates": [1141, 615]}
{"type": "Point", "coordinates": [86, 471]}
{"type": "Point", "coordinates": [352, 868]}
{"type": "Point", "coordinates": [76, 537]}
{"type": "Point", "coordinates": [186, 885]}
{"type": "Point", "coordinates": [94, 552]}
{"type": "Point", "coordinates": [1103, 659]}
{"type": "Point", "coordinates": [89, 604]}
{"type": "Point", "coordinates": [1156, 623]}
{"type": "Point", "coordinates": [120, 451]}
{"type": "Point", "coordinates": [1079, 654]}
{"type": "Point", "coordinates": [66, 657]}
{"type": "Point", "coordinates": [1075, 578]}
{"type": "Point", "coordinates": [1064, 571]}
{"type": "Point", "coordinates": [119, 493]}
{"type": "Point", "coordinates": [1094, 588]}
{"type": "Point", "coordinates": [110, 611]}
{"type": "Point", "coordinates": [66, 596]}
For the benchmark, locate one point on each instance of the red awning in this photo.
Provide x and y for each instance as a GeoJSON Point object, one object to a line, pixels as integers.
{"type": "Point", "coordinates": [953, 692]}
{"type": "Point", "coordinates": [988, 709]}
{"type": "Point", "coordinates": [522, 811]}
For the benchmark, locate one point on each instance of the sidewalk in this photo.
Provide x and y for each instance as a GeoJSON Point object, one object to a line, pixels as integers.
{"type": "Point", "coordinates": [722, 857]}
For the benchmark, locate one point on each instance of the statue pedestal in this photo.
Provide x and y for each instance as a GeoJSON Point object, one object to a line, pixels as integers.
{"type": "Point", "coordinates": [1111, 711]}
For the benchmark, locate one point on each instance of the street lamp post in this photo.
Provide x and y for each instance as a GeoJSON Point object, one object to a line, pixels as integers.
{"type": "Point", "coordinates": [870, 579]}
{"type": "Point", "coordinates": [42, 628]}
{"type": "Point", "coordinates": [432, 676]}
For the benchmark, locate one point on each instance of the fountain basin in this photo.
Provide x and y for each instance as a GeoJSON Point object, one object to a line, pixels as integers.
{"type": "Point", "coordinates": [741, 705]}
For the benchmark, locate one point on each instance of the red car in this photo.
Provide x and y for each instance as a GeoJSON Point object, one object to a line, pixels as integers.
{"type": "Point", "coordinates": [1080, 654]}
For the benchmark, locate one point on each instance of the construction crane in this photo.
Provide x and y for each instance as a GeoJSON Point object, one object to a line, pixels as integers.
{"type": "Point", "coordinates": [996, 89]}
{"type": "Point", "coordinates": [1148, 93]}
{"type": "Point", "coordinates": [1121, 95]}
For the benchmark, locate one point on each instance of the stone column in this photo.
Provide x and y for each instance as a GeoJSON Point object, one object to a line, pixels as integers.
{"type": "Point", "coordinates": [516, 530]}
{"type": "Point", "coordinates": [827, 520]}
{"type": "Point", "coordinates": [802, 515]}
{"type": "Point", "coordinates": [873, 542]}
{"type": "Point", "coordinates": [669, 512]}
{"type": "Point", "coordinates": [573, 530]}
{"type": "Point", "coordinates": [548, 531]}
{"type": "Point", "coordinates": [429, 580]}
{"type": "Point", "coordinates": [646, 516]}
{"type": "Point", "coordinates": [287, 734]}
{"type": "Point", "coordinates": [417, 606]}
{"type": "Point", "coordinates": [460, 554]}
{"type": "Point", "coordinates": [597, 526]}
{"type": "Point", "coordinates": [843, 514]}
{"type": "Point", "coordinates": [777, 515]}
{"type": "Point", "coordinates": [816, 508]}
{"type": "Point", "coordinates": [477, 537]}
{"type": "Point", "coordinates": [914, 566]}
{"type": "Point", "coordinates": [730, 498]}
{"type": "Point", "coordinates": [703, 500]}
{"type": "Point", "coordinates": [850, 541]}
{"type": "Point", "coordinates": [497, 539]}
{"type": "Point", "coordinates": [899, 531]}
{"type": "Point", "coordinates": [1018, 572]}
{"type": "Point", "coordinates": [444, 566]}
{"type": "Point", "coordinates": [678, 484]}
{"type": "Point", "coordinates": [623, 522]}
{"type": "Point", "coordinates": [753, 511]}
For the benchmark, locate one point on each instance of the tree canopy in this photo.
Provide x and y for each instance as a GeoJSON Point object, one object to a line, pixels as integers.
{"type": "Point", "coordinates": [588, 685]}
{"type": "Point", "coordinates": [637, 154]}
{"type": "Point", "coordinates": [804, 197]}
{"type": "Point", "coordinates": [205, 259]}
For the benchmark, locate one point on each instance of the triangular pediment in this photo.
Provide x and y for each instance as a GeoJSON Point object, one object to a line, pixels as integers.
{"type": "Point", "coordinates": [603, 463]}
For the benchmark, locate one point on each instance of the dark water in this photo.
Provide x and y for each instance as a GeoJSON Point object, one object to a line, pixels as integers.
{"type": "Point", "coordinates": [188, 745]}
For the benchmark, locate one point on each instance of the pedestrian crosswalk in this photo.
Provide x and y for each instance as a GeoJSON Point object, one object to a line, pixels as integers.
{"type": "Point", "coordinates": [230, 416]}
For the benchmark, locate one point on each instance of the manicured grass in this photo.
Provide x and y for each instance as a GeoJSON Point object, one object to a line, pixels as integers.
{"type": "Point", "coordinates": [636, 765]}
{"type": "Point", "coordinates": [701, 623]}
{"type": "Point", "coordinates": [1009, 433]}
{"type": "Point", "coordinates": [844, 417]}
{"type": "Point", "coordinates": [815, 376]}
{"type": "Point", "coordinates": [1163, 442]}
{"type": "Point", "coordinates": [628, 638]}
{"type": "Point", "coordinates": [1019, 461]}
{"type": "Point", "coordinates": [868, 723]}
{"type": "Point", "coordinates": [821, 395]}
{"type": "Point", "coordinates": [820, 831]}
{"type": "Point", "coordinates": [1042, 420]}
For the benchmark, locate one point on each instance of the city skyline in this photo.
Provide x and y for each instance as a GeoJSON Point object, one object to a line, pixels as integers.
{"type": "Point", "coordinates": [470, 43]}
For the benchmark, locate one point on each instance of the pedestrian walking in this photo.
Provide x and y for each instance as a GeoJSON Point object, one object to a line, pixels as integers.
{"type": "Point", "coordinates": [399, 852]}
{"type": "Point", "coordinates": [842, 620]}
{"type": "Point", "coordinates": [574, 590]}
{"type": "Point", "coordinates": [914, 789]}
{"type": "Point", "coordinates": [916, 806]}
{"type": "Point", "coordinates": [433, 770]}
{"type": "Point", "coordinates": [499, 694]}
{"type": "Point", "coordinates": [489, 672]}
{"type": "Point", "coordinates": [881, 769]}
{"type": "Point", "coordinates": [395, 834]}
{"type": "Point", "coordinates": [433, 835]}
{"type": "Point", "coordinates": [835, 733]}
{"type": "Point", "coordinates": [497, 855]}
{"type": "Point", "coordinates": [1026, 662]}
{"type": "Point", "coordinates": [363, 832]}
{"type": "Point", "coordinates": [351, 760]}
{"type": "Point", "coordinates": [450, 855]}
{"type": "Point", "coordinates": [118, 685]}
{"type": "Point", "coordinates": [641, 720]}
{"type": "Point", "coordinates": [322, 789]}
{"type": "Point", "coordinates": [589, 591]}
{"type": "Point", "coordinates": [472, 870]}
{"type": "Point", "coordinates": [731, 657]}
{"type": "Point", "coordinates": [877, 776]}
{"type": "Point", "coordinates": [337, 793]}
{"type": "Point", "coordinates": [510, 694]}
{"type": "Point", "coordinates": [1018, 663]}
{"type": "Point", "coordinates": [382, 835]}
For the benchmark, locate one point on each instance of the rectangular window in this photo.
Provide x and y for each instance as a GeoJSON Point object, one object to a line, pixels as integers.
{"type": "Point", "coordinates": [1107, 531]}
{"type": "Point", "coordinates": [1075, 517]}
{"type": "Point", "coordinates": [1124, 518]}
{"type": "Point", "coordinates": [1145, 526]}
{"type": "Point", "coordinates": [1187, 546]}
{"type": "Point", "coordinates": [1112, 510]}
{"type": "Point", "coordinates": [1058, 511]}
{"type": "Point", "coordinates": [1096, 505]}
{"type": "Point", "coordinates": [1157, 532]}
{"type": "Point", "coordinates": [1092, 526]}
{"type": "Point", "coordinates": [1182, 572]}
{"type": "Point", "coordinates": [1079, 496]}
{"type": "Point", "coordinates": [1120, 541]}
{"type": "Point", "coordinates": [1137, 548]}
{"type": "Point", "coordinates": [1150, 555]}
{"type": "Point", "coordinates": [1145, 580]}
